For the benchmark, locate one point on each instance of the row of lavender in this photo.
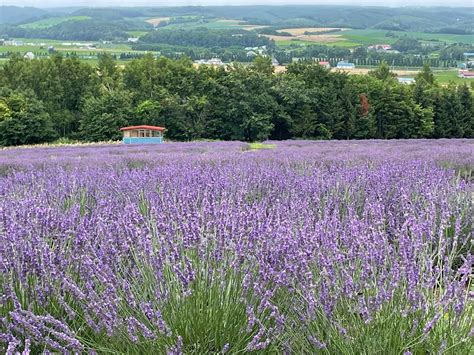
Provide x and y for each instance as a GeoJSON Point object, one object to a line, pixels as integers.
{"type": "Point", "coordinates": [330, 247]}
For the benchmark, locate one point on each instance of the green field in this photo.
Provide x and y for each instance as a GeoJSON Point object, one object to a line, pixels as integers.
{"type": "Point", "coordinates": [354, 38]}
{"type": "Point", "coordinates": [380, 36]}
{"type": "Point", "coordinates": [346, 44]}
{"type": "Point", "coordinates": [447, 76]}
{"type": "Point", "coordinates": [137, 33]}
{"type": "Point", "coordinates": [213, 24]}
{"type": "Point", "coordinates": [53, 21]}
{"type": "Point", "coordinates": [40, 49]}
{"type": "Point", "coordinates": [294, 42]}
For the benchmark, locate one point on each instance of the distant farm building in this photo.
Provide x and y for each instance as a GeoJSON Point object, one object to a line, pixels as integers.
{"type": "Point", "coordinates": [212, 61]}
{"type": "Point", "coordinates": [142, 134]}
{"type": "Point", "coordinates": [466, 74]}
{"type": "Point", "coordinates": [251, 54]}
{"type": "Point", "coordinates": [29, 56]}
{"type": "Point", "coordinates": [406, 81]}
{"type": "Point", "coordinates": [325, 64]}
{"type": "Point", "coordinates": [345, 65]}
{"type": "Point", "coordinates": [132, 39]}
{"type": "Point", "coordinates": [380, 47]}
{"type": "Point", "coordinates": [13, 43]}
{"type": "Point", "coordinates": [275, 62]}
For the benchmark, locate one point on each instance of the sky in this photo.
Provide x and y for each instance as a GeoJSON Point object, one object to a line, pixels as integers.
{"type": "Point", "coordinates": [130, 3]}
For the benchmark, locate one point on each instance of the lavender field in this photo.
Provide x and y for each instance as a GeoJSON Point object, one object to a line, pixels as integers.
{"type": "Point", "coordinates": [197, 248]}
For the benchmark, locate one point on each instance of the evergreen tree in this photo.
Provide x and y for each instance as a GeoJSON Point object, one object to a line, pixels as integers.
{"type": "Point", "coordinates": [426, 75]}
{"type": "Point", "coordinates": [466, 114]}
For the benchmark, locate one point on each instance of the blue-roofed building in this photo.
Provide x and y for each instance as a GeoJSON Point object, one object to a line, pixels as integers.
{"type": "Point", "coordinates": [345, 65]}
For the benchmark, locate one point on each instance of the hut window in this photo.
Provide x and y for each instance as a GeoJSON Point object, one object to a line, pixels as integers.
{"type": "Point", "coordinates": [144, 133]}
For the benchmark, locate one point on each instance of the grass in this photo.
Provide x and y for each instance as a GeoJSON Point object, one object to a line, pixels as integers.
{"type": "Point", "coordinates": [448, 76]}
{"type": "Point", "coordinates": [354, 38]}
{"type": "Point", "coordinates": [372, 36]}
{"type": "Point", "coordinates": [290, 42]}
{"type": "Point", "coordinates": [137, 33]}
{"type": "Point", "coordinates": [50, 22]}
{"type": "Point", "coordinates": [258, 146]}
{"type": "Point", "coordinates": [346, 44]}
{"type": "Point", "coordinates": [368, 36]}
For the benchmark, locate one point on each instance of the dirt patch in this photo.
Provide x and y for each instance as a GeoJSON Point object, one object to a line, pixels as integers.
{"type": "Point", "coordinates": [301, 31]}
{"type": "Point", "coordinates": [326, 38]}
{"type": "Point", "coordinates": [280, 69]}
{"type": "Point", "coordinates": [157, 20]}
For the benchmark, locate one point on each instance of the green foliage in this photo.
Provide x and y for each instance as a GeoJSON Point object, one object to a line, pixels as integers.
{"type": "Point", "coordinates": [258, 146]}
{"type": "Point", "coordinates": [105, 115]}
{"type": "Point", "coordinates": [426, 75]}
{"type": "Point", "coordinates": [383, 72]}
{"type": "Point", "coordinates": [263, 65]}
{"type": "Point", "coordinates": [406, 44]}
{"type": "Point", "coordinates": [204, 37]}
{"type": "Point", "coordinates": [235, 103]}
{"type": "Point", "coordinates": [23, 120]}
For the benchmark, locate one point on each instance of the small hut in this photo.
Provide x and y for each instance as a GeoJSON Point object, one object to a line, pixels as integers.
{"type": "Point", "coordinates": [142, 134]}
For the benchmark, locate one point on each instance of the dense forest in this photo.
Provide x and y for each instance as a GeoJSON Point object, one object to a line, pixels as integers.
{"type": "Point", "coordinates": [45, 99]}
{"type": "Point", "coordinates": [83, 30]}
{"type": "Point", "coordinates": [203, 37]}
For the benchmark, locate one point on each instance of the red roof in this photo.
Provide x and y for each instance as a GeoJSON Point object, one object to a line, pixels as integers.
{"type": "Point", "coordinates": [151, 128]}
{"type": "Point", "coordinates": [323, 63]}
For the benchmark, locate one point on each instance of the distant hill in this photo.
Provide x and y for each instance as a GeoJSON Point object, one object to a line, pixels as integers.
{"type": "Point", "coordinates": [114, 23]}
{"type": "Point", "coordinates": [15, 14]}
{"type": "Point", "coordinates": [422, 19]}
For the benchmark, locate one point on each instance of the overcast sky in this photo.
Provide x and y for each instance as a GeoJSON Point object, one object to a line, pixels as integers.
{"type": "Point", "coordinates": [98, 3]}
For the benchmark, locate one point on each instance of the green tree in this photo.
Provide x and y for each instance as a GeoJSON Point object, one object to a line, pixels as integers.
{"type": "Point", "coordinates": [426, 75]}
{"type": "Point", "coordinates": [383, 72]}
{"type": "Point", "coordinates": [23, 120]}
{"type": "Point", "coordinates": [103, 116]}
{"type": "Point", "coordinates": [263, 65]}
{"type": "Point", "coordinates": [466, 113]}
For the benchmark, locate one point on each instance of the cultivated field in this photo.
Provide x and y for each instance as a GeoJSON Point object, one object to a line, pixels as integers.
{"type": "Point", "coordinates": [157, 20]}
{"type": "Point", "coordinates": [49, 22]}
{"type": "Point", "coordinates": [237, 24]}
{"type": "Point", "coordinates": [309, 34]}
{"type": "Point", "coordinates": [304, 247]}
{"type": "Point", "coordinates": [353, 38]}
{"type": "Point", "coordinates": [326, 38]}
{"type": "Point", "coordinates": [302, 30]}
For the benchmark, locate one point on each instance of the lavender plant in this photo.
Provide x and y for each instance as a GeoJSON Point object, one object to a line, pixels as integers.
{"type": "Point", "coordinates": [306, 247]}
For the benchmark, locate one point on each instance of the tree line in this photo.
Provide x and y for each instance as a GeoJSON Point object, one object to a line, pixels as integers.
{"type": "Point", "coordinates": [204, 37]}
{"type": "Point", "coordinates": [45, 99]}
